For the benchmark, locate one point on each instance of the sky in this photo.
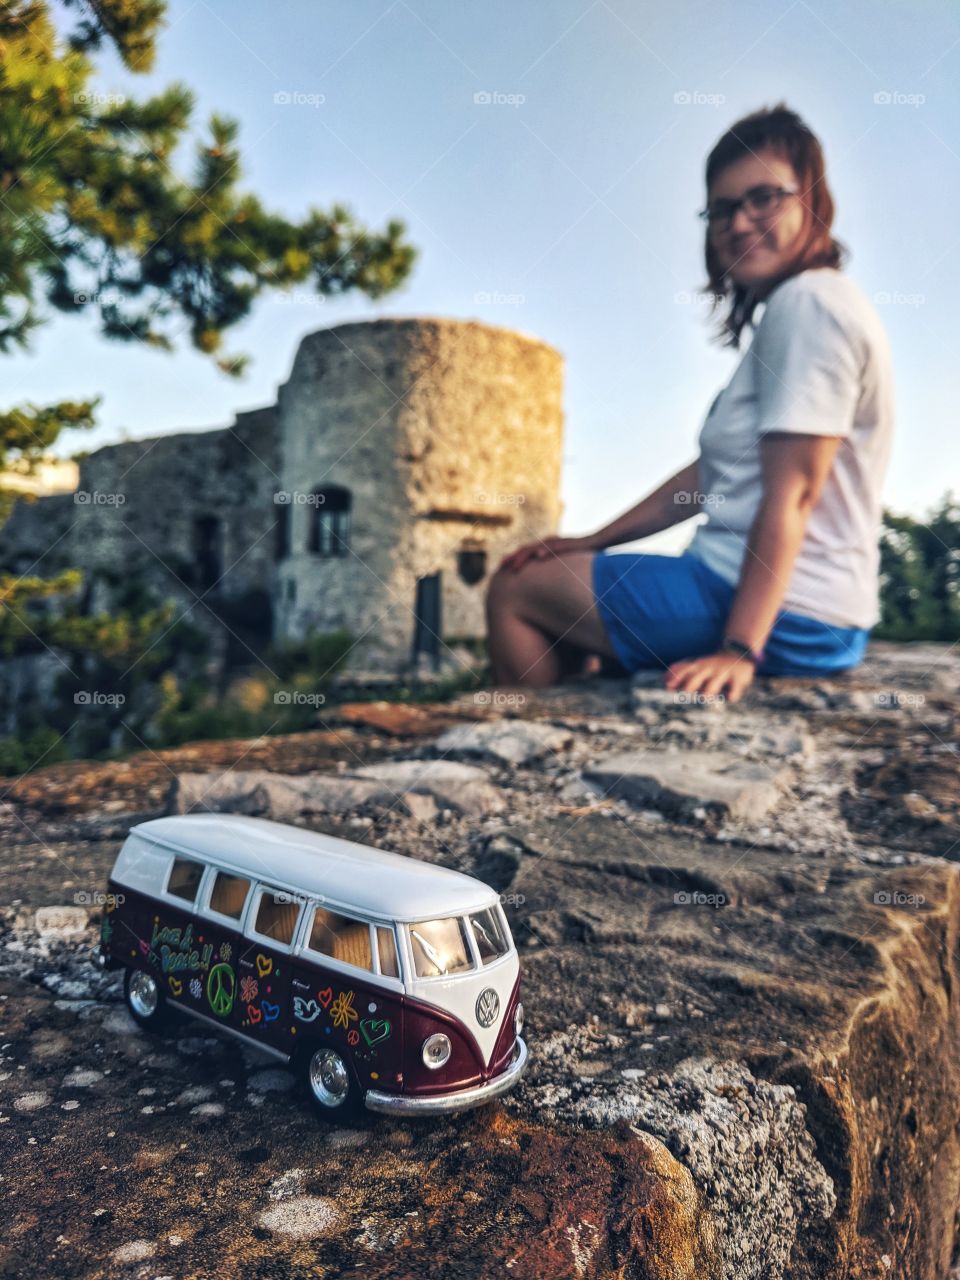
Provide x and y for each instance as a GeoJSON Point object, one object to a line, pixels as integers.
{"type": "Point", "coordinates": [564, 206]}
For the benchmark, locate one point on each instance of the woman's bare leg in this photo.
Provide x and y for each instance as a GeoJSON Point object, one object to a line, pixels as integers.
{"type": "Point", "coordinates": [529, 610]}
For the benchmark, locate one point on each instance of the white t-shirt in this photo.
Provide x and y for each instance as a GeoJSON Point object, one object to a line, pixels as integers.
{"type": "Point", "coordinates": [819, 363]}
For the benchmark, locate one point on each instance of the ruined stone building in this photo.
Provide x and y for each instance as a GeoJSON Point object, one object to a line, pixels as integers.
{"type": "Point", "coordinates": [402, 459]}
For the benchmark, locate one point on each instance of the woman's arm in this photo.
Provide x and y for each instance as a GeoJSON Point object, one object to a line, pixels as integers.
{"type": "Point", "coordinates": [670, 504]}
{"type": "Point", "coordinates": [795, 468]}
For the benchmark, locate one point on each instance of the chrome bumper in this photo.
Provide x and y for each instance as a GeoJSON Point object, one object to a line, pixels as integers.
{"type": "Point", "coordinates": [401, 1104]}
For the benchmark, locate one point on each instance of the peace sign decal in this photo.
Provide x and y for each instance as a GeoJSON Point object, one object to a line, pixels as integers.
{"type": "Point", "coordinates": [220, 989]}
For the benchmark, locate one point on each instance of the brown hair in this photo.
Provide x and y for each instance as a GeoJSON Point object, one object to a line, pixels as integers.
{"type": "Point", "coordinates": [782, 130]}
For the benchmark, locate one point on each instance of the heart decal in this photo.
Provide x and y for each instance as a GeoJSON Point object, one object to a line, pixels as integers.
{"type": "Point", "coordinates": [375, 1029]}
{"type": "Point", "coordinates": [253, 1013]}
{"type": "Point", "coordinates": [176, 986]}
{"type": "Point", "coordinates": [271, 1012]}
{"type": "Point", "coordinates": [325, 996]}
{"type": "Point", "coordinates": [264, 964]}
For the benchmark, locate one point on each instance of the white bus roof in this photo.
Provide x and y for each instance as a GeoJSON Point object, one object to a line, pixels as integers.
{"type": "Point", "coordinates": [374, 881]}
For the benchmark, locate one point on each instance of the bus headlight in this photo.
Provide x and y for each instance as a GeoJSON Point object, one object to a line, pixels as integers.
{"type": "Point", "coordinates": [436, 1050]}
{"type": "Point", "coordinates": [518, 1018]}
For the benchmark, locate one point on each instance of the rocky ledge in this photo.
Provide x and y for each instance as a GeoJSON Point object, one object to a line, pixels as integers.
{"type": "Point", "coordinates": [738, 929]}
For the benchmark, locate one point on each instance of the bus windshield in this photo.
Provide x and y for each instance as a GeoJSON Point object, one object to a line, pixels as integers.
{"type": "Point", "coordinates": [439, 947]}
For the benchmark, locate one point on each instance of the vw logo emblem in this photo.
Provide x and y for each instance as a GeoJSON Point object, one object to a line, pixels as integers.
{"type": "Point", "coordinates": [488, 1006]}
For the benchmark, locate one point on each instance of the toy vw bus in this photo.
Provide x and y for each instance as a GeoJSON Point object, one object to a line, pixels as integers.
{"type": "Point", "coordinates": [379, 978]}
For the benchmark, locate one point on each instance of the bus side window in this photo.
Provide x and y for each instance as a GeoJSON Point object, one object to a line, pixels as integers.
{"type": "Point", "coordinates": [277, 917]}
{"type": "Point", "coordinates": [341, 938]}
{"type": "Point", "coordinates": [184, 879]}
{"type": "Point", "coordinates": [228, 895]}
{"type": "Point", "coordinates": [387, 952]}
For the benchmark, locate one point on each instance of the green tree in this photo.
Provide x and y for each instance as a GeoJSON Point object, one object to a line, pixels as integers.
{"type": "Point", "coordinates": [93, 219]}
{"type": "Point", "coordinates": [920, 575]}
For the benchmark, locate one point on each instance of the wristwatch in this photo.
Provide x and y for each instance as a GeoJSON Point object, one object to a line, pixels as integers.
{"type": "Point", "coordinates": [742, 650]}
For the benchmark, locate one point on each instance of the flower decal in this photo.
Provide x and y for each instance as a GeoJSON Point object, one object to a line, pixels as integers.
{"type": "Point", "coordinates": [342, 1010]}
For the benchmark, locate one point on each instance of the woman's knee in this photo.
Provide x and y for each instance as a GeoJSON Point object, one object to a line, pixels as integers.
{"type": "Point", "coordinates": [502, 590]}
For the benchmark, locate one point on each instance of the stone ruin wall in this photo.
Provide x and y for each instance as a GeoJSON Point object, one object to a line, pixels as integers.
{"type": "Point", "coordinates": [447, 433]}
{"type": "Point", "coordinates": [229, 474]}
{"type": "Point", "coordinates": [133, 511]}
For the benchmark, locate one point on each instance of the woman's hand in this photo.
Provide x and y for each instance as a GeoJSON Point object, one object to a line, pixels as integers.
{"type": "Point", "coordinates": [723, 673]}
{"type": "Point", "coordinates": [543, 549]}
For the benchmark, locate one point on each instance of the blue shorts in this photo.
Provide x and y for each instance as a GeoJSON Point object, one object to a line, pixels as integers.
{"type": "Point", "coordinates": [661, 609]}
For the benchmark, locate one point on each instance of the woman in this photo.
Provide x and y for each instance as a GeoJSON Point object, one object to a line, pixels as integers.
{"type": "Point", "coordinates": [782, 578]}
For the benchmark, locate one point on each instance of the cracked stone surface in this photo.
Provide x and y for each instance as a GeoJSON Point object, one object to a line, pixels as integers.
{"type": "Point", "coordinates": [684, 781]}
{"type": "Point", "coordinates": [463, 788]}
{"type": "Point", "coordinates": [504, 741]}
{"type": "Point", "coordinates": [743, 1024]}
{"type": "Point", "coordinates": [416, 787]}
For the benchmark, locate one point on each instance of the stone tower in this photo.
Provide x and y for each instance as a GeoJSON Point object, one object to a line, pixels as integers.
{"type": "Point", "coordinates": [414, 454]}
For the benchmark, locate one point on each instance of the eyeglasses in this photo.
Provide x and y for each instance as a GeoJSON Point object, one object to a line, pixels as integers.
{"type": "Point", "coordinates": [757, 203]}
